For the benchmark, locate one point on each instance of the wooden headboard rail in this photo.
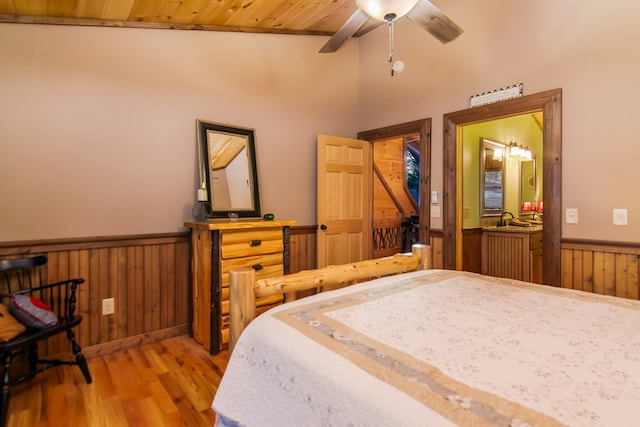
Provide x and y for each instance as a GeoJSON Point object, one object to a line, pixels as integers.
{"type": "Point", "coordinates": [244, 289]}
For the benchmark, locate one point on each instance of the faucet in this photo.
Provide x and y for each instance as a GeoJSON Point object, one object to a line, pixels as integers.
{"type": "Point", "coordinates": [536, 214]}
{"type": "Point", "coordinates": [502, 222]}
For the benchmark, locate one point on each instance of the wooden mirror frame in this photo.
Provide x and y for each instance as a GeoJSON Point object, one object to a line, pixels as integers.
{"type": "Point", "coordinates": [227, 140]}
{"type": "Point", "coordinates": [550, 103]}
{"type": "Point", "coordinates": [525, 189]}
{"type": "Point", "coordinates": [486, 144]}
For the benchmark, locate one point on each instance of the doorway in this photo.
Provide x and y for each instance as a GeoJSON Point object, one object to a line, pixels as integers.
{"type": "Point", "coordinates": [550, 103]}
{"type": "Point", "coordinates": [393, 234]}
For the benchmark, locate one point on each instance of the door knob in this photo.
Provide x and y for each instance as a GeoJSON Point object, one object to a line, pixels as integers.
{"type": "Point", "coordinates": [323, 227]}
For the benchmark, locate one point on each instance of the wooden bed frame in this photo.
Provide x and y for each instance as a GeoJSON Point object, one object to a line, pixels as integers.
{"type": "Point", "coordinates": [244, 289]}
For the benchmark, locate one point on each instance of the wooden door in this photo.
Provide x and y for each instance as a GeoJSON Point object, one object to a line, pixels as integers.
{"type": "Point", "coordinates": [344, 194]}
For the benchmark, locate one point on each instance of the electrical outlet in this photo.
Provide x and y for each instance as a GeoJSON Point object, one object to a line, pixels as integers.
{"type": "Point", "coordinates": [108, 306]}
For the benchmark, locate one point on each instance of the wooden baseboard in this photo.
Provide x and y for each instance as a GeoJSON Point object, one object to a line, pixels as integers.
{"type": "Point", "coordinates": [135, 341]}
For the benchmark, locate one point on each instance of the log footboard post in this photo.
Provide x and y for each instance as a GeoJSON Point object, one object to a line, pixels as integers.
{"type": "Point", "coordinates": [243, 288]}
{"type": "Point", "coordinates": [423, 252]}
{"type": "Point", "coordinates": [242, 302]}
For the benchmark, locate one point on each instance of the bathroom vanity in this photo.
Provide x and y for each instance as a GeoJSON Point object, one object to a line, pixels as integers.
{"type": "Point", "coordinates": [513, 252]}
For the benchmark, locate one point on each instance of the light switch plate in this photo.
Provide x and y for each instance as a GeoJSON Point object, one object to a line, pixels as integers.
{"type": "Point", "coordinates": [619, 217]}
{"type": "Point", "coordinates": [435, 211]}
{"type": "Point", "coordinates": [571, 216]}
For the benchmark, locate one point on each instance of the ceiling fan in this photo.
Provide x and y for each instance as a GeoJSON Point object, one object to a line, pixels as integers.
{"type": "Point", "coordinates": [422, 12]}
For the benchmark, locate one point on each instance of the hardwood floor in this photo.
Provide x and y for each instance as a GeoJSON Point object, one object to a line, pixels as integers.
{"type": "Point", "coordinates": [169, 383]}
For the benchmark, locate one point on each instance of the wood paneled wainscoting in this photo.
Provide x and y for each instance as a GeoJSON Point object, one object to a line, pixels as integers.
{"type": "Point", "coordinates": [436, 238]}
{"type": "Point", "coordinates": [302, 248]}
{"type": "Point", "coordinates": [147, 275]}
{"type": "Point", "coordinates": [608, 268]}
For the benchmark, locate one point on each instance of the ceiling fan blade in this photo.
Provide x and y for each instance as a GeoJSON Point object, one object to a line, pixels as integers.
{"type": "Point", "coordinates": [343, 35]}
{"type": "Point", "coordinates": [434, 21]}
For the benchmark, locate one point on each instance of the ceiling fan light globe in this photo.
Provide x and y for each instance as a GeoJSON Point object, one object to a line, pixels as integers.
{"type": "Point", "coordinates": [378, 9]}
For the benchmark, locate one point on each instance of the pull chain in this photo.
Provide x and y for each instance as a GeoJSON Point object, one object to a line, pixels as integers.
{"type": "Point", "coordinates": [399, 65]}
{"type": "Point", "coordinates": [390, 17]}
{"type": "Point", "coordinates": [391, 42]}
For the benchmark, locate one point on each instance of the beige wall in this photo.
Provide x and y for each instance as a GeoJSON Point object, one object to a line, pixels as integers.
{"type": "Point", "coordinates": [97, 125]}
{"type": "Point", "coordinates": [586, 48]}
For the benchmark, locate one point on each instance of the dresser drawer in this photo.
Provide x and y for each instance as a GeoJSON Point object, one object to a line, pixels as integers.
{"type": "Point", "coordinates": [267, 302]}
{"type": "Point", "coordinates": [224, 300]}
{"type": "Point", "coordinates": [236, 244]}
{"type": "Point", "coordinates": [262, 305]}
{"type": "Point", "coordinates": [265, 266]}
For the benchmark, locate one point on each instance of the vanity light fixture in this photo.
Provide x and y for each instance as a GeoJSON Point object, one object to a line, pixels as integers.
{"type": "Point", "coordinates": [519, 152]}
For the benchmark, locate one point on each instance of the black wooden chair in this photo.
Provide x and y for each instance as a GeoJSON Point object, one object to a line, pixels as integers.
{"type": "Point", "coordinates": [20, 278]}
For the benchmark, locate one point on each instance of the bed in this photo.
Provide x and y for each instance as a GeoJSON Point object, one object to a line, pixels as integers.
{"type": "Point", "coordinates": [435, 348]}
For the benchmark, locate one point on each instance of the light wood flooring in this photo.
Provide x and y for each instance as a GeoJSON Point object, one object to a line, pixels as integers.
{"type": "Point", "coordinates": [169, 383]}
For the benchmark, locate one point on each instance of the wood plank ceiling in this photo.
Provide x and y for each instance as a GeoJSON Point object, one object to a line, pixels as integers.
{"type": "Point", "coordinates": [312, 17]}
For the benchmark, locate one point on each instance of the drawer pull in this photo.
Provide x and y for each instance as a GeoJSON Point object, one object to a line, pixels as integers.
{"type": "Point", "coordinates": [257, 267]}
{"type": "Point", "coordinates": [255, 243]}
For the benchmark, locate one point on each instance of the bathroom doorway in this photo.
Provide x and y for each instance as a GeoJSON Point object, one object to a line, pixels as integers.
{"type": "Point", "coordinates": [550, 104]}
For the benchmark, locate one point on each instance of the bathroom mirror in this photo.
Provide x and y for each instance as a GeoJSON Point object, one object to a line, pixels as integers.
{"type": "Point", "coordinates": [527, 186]}
{"type": "Point", "coordinates": [228, 172]}
{"type": "Point", "coordinates": [492, 161]}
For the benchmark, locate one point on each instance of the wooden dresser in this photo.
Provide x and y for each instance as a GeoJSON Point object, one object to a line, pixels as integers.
{"type": "Point", "coordinates": [218, 246]}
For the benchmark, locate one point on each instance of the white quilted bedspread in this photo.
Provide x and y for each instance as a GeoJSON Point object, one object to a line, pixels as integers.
{"type": "Point", "coordinates": [438, 348]}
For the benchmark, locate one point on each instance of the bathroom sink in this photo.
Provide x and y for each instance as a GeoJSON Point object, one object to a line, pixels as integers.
{"type": "Point", "coordinates": [520, 223]}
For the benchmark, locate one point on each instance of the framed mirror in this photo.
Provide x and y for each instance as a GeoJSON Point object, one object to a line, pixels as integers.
{"type": "Point", "coordinates": [527, 186]}
{"type": "Point", "coordinates": [492, 167]}
{"type": "Point", "coordinates": [228, 171]}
